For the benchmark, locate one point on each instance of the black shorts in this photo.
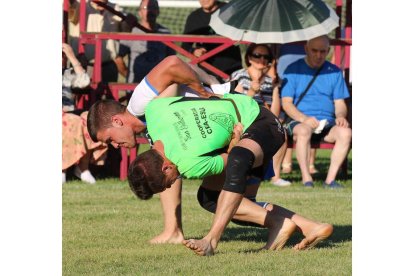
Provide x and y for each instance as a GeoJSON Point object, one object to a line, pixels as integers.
{"type": "Point", "coordinates": [269, 133]}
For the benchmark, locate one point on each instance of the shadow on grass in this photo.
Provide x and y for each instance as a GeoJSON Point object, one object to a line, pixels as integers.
{"type": "Point", "coordinates": [341, 234]}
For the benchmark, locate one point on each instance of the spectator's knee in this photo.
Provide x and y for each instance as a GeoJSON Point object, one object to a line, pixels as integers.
{"type": "Point", "coordinates": [345, 134]}
{"type": "Point", "coordinates": [303, 131]}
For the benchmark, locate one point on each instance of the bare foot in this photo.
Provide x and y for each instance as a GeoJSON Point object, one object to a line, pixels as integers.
{"type": "Point", "coordinates": [318, 234]}
{"type": "Point", "coordinates": [200, 247]}
{"type": "Point", "coordinates": [167, 237]}
{"type": "Point", "coordinates": [279, 235]}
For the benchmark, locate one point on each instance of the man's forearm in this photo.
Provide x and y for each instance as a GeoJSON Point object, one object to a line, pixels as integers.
{"type": "Point", "coordinates": [120, 65]}
{"type": "Point", "coordinates": [341, 110]}
{"type": "Point", "coordinates": [294, 113]}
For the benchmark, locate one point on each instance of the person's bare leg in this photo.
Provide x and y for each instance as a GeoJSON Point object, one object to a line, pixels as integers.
{"type": "Point", "coordinates": [313, 231]}
{"type": "Point", "coordinates": [318, 233]}
{"type": "Point", "coordinates": [280, 228]}
{"type": "Point", "coordinates": [203, 75]}
{"type": "Point", "coordinates": [342, 138]}
{"type": "Point", "coordinates": [82, 169]}
{"type": "Point", "coordinates": [171, 208]}
{"type": "Point", "coordinates": [303, 133]}
{"type": "Point", "coordinates": [277, 161]}
{"type": "Point", "coordinates": [312, 157]}
{"type": "Point", "coordinates": [84, 161]}
{"type": "Point", "coordinates": [281, 223]}
{"type": "Point", "coordinates": [170, 91]}
{"type": "Point", "coordinates": [227, 205]}
{"type": "Point", "coordinates": [287, 161]}
{"type": "Point", "coordinates": [173, 70]}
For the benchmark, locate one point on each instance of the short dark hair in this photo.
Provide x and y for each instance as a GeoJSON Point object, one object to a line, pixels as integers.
{"type": "Point", "coordinates": [100, 114]}
{"type": "Point", "coordinates": [250, 50]}
{"type": "Point", "coordinates": [145, 175]}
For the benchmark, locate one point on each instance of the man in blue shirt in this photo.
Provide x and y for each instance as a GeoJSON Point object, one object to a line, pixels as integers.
{"type": "Point", "coordinates": [323, 103]}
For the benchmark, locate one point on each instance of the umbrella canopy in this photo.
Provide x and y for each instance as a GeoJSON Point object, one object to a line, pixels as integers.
{"type": "Point", "coordinates": [274, 21]}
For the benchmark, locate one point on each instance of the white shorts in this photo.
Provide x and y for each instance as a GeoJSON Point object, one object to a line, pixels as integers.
{"type": "Point", "coordinates": [142, 95]}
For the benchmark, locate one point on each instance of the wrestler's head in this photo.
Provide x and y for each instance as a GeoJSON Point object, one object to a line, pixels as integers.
{"type": "Point", "coordinates": [150, 174]}
{"type": "Point", "coordinates": [110, 122]}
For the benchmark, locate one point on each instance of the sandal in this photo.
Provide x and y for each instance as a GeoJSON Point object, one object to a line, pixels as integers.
{"type": "Point", "coordinates": [312, 169]}
{"type": "Point", "coordinates": [286, 167]}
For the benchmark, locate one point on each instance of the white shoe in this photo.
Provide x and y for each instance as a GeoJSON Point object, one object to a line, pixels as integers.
{"type": "Point", "coordinates": [281, 183]}
{"type": "Point", "coordinates": [63, 177]}
{"type": "Point", "coordinates": [85, 176]}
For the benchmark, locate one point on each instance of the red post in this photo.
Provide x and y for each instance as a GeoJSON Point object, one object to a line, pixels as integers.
{"type": "Point", "coordinates": [82, 24]}
{"type": "Point", "coordinates": [123, 172]}
{"type": "Point", "coordinates": [348, 32]}
{"type": "Point", "coordinates": [65, 20]}
{"type": "Point", "coordinates": [338, 34]}
{"type": "Point", "coordinates": [98, 62]}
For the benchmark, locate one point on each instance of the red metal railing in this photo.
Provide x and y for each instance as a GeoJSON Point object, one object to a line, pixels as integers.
{"type": "Point", "coordinates": [96, 39]}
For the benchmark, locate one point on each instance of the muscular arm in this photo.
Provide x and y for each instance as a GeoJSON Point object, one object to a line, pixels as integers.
{"type": "Point", "coordinates": [237, 133]}
{"type": "Point", "coordinates": [224, 156]}
{"type": "Point", "coordinates": [296, 115]}
{"type": "Point", "coordinates": [173, 70]}
{"type": "Point", "coordinates": [235, 138]}
{"type": "Point", "coordinates": [341, 113]}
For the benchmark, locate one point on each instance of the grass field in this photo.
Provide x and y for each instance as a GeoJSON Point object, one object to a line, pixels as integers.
{"type": "Point", "coordinates": [106, 231]}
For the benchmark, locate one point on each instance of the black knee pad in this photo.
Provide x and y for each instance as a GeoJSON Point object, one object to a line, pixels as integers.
{"type": "Point", "coordinates": [239, 163]}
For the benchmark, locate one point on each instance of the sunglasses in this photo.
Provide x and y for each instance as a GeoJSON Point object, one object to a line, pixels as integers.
{"type": "Point", "coordinates": [256, 55]}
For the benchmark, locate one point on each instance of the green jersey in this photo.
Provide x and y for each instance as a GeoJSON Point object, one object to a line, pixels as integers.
{"type": "Point", "coordinates": [193, 130]}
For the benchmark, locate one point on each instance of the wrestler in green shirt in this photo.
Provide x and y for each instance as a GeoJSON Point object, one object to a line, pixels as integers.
{"type": "Point", "coordinates": [194, 131]}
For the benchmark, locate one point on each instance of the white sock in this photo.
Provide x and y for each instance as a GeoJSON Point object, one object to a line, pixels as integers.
{"type": "Point", "coordinates": [86, 176]}
{"type": "Point", "coordinates": [63, 177]}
